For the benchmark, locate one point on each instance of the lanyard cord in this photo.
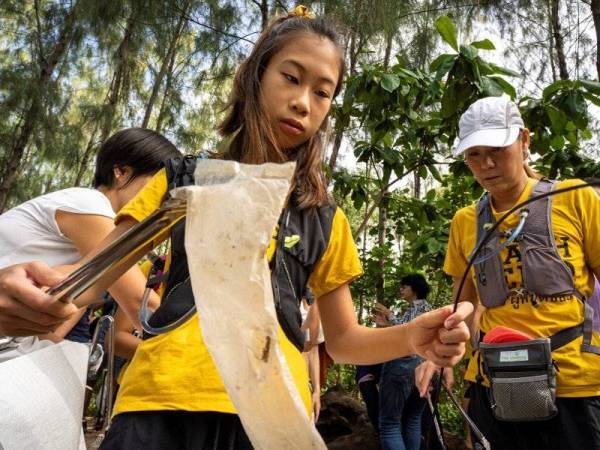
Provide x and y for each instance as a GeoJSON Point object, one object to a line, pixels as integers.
{"type": "Point", "coordinates": [486, 238]}
{"type": "Point", "coordinates": [524, 213]}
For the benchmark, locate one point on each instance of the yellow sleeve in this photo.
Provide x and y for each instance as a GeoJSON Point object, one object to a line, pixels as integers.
{"type": "Point", "coordinates": [455, 262]}
{"type": "Point", "coordinates": [340, 263]}
{"type": "Point", "coordinates": [147, 200]}
{"type": "Point", "coordinates": [145, 267]}
{"type": "Point", "coordinates": [589, 201]}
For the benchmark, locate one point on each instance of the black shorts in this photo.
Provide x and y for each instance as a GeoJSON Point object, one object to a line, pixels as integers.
{"type": "Point", "coordinates": [576, 426]}
{"type": "Point", "coordinates": [176, 430]}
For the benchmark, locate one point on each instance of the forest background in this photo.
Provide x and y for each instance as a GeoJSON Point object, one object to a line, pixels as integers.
{"type": "Point", "coordinates": [72, 72]}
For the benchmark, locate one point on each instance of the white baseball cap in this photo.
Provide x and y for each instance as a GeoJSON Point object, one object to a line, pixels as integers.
{"type": "Point", "coordinates": [490, 121]}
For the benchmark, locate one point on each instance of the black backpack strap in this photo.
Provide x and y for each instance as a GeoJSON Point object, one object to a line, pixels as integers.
{"type": "Point", "coordinates": [180, 171]}
{"type": "Point", "coordinates": [585, 328]}
{"type": "Point", "coordinates": [563, 337]}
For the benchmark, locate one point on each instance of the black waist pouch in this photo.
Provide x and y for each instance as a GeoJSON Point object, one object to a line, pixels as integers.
{"type": "Point", "coordinates": [522, 380]}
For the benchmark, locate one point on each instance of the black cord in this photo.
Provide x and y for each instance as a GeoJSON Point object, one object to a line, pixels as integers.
{"type": "Point", "coordinates": [484, 241]}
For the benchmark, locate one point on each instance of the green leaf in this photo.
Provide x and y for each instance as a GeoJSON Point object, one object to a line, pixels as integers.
{"type": "Point", "coordinates": [408, 72]}
{"type": "Point", "coordinates": [557, 142]}
{"type": "Point", "coordinates": [485, 44]}
{"type": "Point", "coordinates": [440, 61]}
{"type": "Point", "coordinates": [554, 87]}
{"type": "Point", "coordinates": [591, 86]}
{"type": "Point", "coordinates": [445, 65]}
{"type": "Point", "coordinates": [504, 71]}
{"type": "Point", "coordinates": [435, 173]}
{"type": "Point", "coordinates": [449, 103]}
{"type": "Point", "coordinates": [557, 119]}
{"type": "Point", "coordinates": [398, 169]}
{"type": "Point", "coordinates": [570, 126]}
{"type": "Point", "coordinates": [433, 245]}
{"type": "Point", "coordinates": [447, 31]}
{"type": "Point", "coordinates": [468, 52]}
{"type": "Point", "coordinates": [506, 86]}
{"type": "Point", "coordinates": [592, 98]}
{"type": "Point", "coordinates": [491, 88]}
{"type": "Point", "coordinates": [390, 82]}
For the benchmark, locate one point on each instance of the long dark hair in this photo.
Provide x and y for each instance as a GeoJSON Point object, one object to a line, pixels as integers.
{"type": "Point", "coordinates": [140, 149]}
{"type": "Point", "coordinates": [246, 124]}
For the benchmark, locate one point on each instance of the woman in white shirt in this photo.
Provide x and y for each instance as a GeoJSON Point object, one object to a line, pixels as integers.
{"type": "Point", "coordinates": [61, 227]}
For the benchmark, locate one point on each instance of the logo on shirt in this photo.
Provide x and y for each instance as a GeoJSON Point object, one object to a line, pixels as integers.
{"type": "Point", "coordinates": [513, 273]}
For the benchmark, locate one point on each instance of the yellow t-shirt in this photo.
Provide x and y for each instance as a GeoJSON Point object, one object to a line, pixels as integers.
{"type": "Point", "coordinates": [174, 371]}
{"type": "Point", "coordinates": [575, 222]}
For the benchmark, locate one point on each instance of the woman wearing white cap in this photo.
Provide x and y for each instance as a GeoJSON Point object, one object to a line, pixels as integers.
{"type": "Point", "coordinates": [536, 286]}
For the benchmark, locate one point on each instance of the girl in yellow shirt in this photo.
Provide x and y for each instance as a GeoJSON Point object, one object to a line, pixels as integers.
{"type": "Point", "coordinates": [172, 396]}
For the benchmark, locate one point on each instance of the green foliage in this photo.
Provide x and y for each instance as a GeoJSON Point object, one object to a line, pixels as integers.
{"type": "Point", "coordinates": [342, 375]}
{"type": "Point", "coordinates": [560, 122]}
{"type": "Point", "coordinates": [409, 119]}
{"type": "Point", "coordinates": [447, 31]}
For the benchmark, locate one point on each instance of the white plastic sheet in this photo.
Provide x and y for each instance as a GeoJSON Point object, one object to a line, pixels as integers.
{"type": "Point", "coordinates": [41, 398]}
{"type": "Point", "coordinates": [230, 220]}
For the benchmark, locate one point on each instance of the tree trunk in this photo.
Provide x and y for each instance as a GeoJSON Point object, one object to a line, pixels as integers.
{"type": "Point", "coordinates": [121, 60]}
{"type": "Point", "coordinates": [551, 42]}
{"type": "Point", "coordinates": [38, 92]}
{"type": "Point", "coordinates": [352, 53]}
{"type": "Point", "coordinates": [381, 233]}
{"type": "Point", "coordinates": [353, 50]}
{"type": "Point", "coordinates": [363, 260]}
{"type": "Point", "coordinates": [558, 40]}
{"type": "Point", "coordinates": [263, 6]}
{"type": "Point", "coordinates": [85, 158]}
{"type": "Point", "coordinates": [163, 104]}
{"type": "Point", "coordinates": [337, 142]}
{"type": "Point", "coordinates": [417, 190]}
{"type": "Point", "coordinates": [356, 41]}
{"type": "Point", "coordinates": [381, 238]}
{"type": "Point", "coordinates": [169, 56]}
{"type": "Point", "coordinates": [595, 5]}
{"type": "Point", "coordinates": [389, 40]}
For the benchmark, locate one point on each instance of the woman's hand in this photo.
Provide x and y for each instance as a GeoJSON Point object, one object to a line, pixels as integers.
{"type": "Point", "coordinates": [426, 371]}
{"type": "Point", "coordinates": [381, 315]}
{"type": "Point", "coordinates": [382, 309]}
{"type": "Point", "coordinates": [25, 309]}
{"type": "Point", "coordinates": [440, 335]}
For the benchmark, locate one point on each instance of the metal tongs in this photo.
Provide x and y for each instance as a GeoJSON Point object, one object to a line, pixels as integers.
{"type": "Point", "coordinates": [122, 253]}
{"type": "Point", "coordinates": [483, 443]}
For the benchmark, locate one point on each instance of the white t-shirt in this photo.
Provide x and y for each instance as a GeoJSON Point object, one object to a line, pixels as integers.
{"type": "Point", "coordinates": [304, 314]}
{"type": "Point", "coordinates": [29, 232]}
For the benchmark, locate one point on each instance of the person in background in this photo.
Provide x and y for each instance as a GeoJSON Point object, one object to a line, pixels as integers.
{"type": "Point", "coordinates": [400, 406]}
{"type": "Point", "coordinates": [367, 380]}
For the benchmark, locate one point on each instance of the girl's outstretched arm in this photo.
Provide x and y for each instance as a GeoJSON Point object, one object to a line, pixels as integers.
{"type": "Point", "coordinates": [438, 336]}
